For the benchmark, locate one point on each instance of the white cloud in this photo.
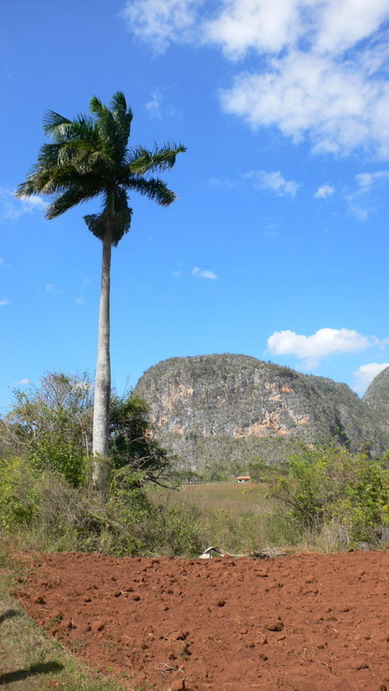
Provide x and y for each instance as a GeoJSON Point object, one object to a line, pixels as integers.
{"type": "Point", "coordinates": [272, 181]}
{"type": "Point", "coordinates": [157, 107]}
{"type": "Point", "coordinates": [34, 202]}
{"type": "Point", "coordinates": [359, 204]}
{"type": "Point", "coordinates": [12, 208]}
{"type": "Point", "coordinates": [310, 349]}
{"type": "Point", "coordinates": [24, 382]}
{"type": "Point", "coordinates": [361, 213]}
{"type": "Point", "coordinates": [162, 21]}
{"type": "Point", "coordinates": [310, 96]}
{"type": "Point", "coordinates": [314, 88]}
{"type": "Point", "coordinates": [324, 191]}
{"type": "Point", "coordinates": [153, 106]}
{"type": "Point", "coordinates": [4, 302]}
{"type": "Point", "coordinates": [327, 26]}
{"type": "Point", "coordinates": [224, 182]}
{"type": "Point", "coordinates": [316, 68]}
{"type": "Point", "coordinates": [204, 274]}
{"type": "Point", "coordinates": [365, 374]}
{"type": "Point", "coordinates": [341, 25]}
{"type": "Point", "coordinates": [80, 300]}
{"type": "Point", "coordinates": [51, 289]}
{"type": "Point", "coordinates": [177, 272]}
{"type": "Point", "coordinates": [255, 24]}
{"type": "Point", "coordinates": [366, 180]}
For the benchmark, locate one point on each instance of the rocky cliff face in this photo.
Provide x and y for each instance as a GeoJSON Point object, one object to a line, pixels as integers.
{"type": "Point", "coordinates": [377, 398]}
{"type": "Point", "coordinates": [223, 410]}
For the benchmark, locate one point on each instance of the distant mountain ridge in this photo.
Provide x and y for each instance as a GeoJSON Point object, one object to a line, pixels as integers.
{"type": "Point", "coordinates": [222, 410]}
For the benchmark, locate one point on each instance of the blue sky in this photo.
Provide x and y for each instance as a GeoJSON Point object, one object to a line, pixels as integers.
{"type": "Point", "coordinates": [277, 246]}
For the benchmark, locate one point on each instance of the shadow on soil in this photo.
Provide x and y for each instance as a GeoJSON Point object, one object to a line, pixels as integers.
{"type": "Point", "coordinates": [8, 614]}
{"type": "Point", "coordinates": [20, 674]}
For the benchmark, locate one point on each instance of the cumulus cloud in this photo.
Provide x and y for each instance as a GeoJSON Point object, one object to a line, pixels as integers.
{"type": "Point", "coordinates": [24, 382]}
{"type": "Point", "coordinates": [204, 273]}
{"type": "Point", "coordinates": [306, 95]}
{"type": "Point", "coordinates": [325, 85]}
{"type": "Point", "coordinates": [365, 374]}
{"type": "Point", "coordinates": [327, 26]}
{"type": "Point", "coordinates": [272, 181]}
{"type": "Point", "coordinates": [324, 191]}
{"type": "Point", "coordinates": [4, 302]}
{"type": "Point", "coordinates": [12, 208]}
{"type": "Point", "coordinates": [316, 66]}
{"type": "Point", "coordinates": [325, 342]}
{"type": "Point", "coordinates": [252, 24]}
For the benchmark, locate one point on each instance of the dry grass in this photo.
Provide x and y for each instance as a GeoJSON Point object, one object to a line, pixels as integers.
{"type": "Point", "coordinates": [229, 496]}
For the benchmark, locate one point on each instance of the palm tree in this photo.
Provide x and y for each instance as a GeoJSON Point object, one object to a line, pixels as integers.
{"type": "Point", "coordinates": [89, 157]}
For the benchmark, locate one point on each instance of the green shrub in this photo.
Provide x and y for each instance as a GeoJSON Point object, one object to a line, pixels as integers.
{"type": "Point", "coordinates": [19, 501]}
{"type": "Point", "coordinates": [333, 486]}
{"type": "Point", "coordinates": [51, 425]}
{"type": "Point", "coordinates": [132, 444]}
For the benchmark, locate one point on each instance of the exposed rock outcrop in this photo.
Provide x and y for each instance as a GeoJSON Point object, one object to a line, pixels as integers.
{"type": "Point", "coordinates": [223, 410]}
{"type": "Point", "coordinates": [377, 398]}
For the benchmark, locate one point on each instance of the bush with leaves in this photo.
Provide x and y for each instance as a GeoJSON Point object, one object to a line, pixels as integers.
{"type": "Point", "coordinates": [19, 503]}
{"type": "Point", "coordinates": [51, 425]}
{"type": "Point", "coordinates": [44, 467]}
{"type": "Point", "coordinates": [132, 443]}
{"type": "Point", "coordinates": [333, 486]}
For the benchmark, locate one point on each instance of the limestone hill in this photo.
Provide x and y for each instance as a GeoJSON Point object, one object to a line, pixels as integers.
{"type": "Point", "coordinates": [221, 411]}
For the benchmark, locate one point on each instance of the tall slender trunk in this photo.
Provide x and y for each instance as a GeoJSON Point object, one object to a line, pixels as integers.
{"type": "Point", "coordinates": [103, 374]}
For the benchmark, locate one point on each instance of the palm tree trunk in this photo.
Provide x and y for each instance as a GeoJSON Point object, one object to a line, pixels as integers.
{"type": "Point", "coordinates": [103, 375]}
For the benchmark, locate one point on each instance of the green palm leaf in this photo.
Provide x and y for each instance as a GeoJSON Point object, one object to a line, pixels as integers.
{"type": "Point", "coordinates": [143, 160]}
{"type": "Point", "coordinates": [153, 188]}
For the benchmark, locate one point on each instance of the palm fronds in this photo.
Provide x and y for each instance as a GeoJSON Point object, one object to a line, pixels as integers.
{"type": "Point", "coordinates": [89, 156]}
{"type": "Point", "coordinates": [153, 188]}
{"type": "Point", "coordinates": [161, 159]}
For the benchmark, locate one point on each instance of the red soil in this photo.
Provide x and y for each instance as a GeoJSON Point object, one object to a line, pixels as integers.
{"type": "Point", "coordinates": [304, 622]}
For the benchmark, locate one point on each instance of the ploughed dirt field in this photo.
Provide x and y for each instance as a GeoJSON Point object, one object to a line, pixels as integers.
{"type": "Point", "coordinates": [302, 622]}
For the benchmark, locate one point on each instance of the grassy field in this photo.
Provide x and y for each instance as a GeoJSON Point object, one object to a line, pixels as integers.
{"type": "Point", "coordinates": [236, 517]}
{"type": "Point", "coordinates": [230, 496]}
{"type": "Point", "coordinates": [29, 660]}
